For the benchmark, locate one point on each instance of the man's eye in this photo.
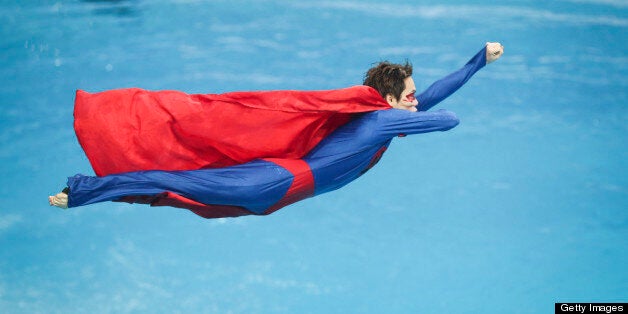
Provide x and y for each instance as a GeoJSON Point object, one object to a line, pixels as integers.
{"type": "Point", "coordinates": [410, 97]}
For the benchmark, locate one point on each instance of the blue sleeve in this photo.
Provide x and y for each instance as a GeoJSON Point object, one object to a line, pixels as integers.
{"type": "Point", "coordinates": [397, 122]}
{"type": "Point", "coordinates": [446, 86]}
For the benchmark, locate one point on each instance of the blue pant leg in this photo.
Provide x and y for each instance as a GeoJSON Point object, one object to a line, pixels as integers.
{"type": "Point", "coordinates": [256, 185]}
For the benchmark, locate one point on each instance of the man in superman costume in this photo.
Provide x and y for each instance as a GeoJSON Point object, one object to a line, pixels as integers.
{"type": "Point", "coordinates": [249, 153]}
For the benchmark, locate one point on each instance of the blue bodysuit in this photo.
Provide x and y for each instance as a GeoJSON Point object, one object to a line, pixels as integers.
{"type": "Point", "coordinates": [262, 186]}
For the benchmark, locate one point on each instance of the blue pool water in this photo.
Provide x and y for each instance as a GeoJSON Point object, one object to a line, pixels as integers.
{"type": "Point", "coordinates": [524, 204]}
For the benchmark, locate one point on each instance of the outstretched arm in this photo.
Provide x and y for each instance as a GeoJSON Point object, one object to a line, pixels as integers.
{"type": "Point", "coordinates": [446, 86]}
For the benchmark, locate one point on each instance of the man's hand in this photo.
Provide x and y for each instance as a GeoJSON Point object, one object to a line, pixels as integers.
{"type": "Point", "coordinates": [493, 52]}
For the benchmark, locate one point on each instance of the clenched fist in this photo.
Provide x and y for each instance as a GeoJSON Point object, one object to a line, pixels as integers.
{"type": "Point", "coordinates": [493, 52]}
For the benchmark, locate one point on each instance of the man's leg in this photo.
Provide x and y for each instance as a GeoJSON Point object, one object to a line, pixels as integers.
{"type": "Point", "coordinates": [255, 186]}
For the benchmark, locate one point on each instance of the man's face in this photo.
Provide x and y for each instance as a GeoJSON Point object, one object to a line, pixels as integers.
{"type": "Point", "coordinates": [407, 100]}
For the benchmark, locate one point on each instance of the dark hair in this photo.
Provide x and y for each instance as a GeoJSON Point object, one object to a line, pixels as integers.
{"type": "Point", "coordinates": [388, 78]}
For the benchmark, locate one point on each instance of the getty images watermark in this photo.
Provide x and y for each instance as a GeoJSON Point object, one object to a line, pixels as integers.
{"type": "Point", "coordinates": [584, 308]}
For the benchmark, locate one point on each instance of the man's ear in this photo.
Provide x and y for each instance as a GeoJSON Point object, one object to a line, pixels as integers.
{"type": "Point", "coordinates": [391, 99]}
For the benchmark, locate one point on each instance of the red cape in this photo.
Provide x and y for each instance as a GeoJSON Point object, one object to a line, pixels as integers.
{"type": "Point", "coordinates": [134, 129]}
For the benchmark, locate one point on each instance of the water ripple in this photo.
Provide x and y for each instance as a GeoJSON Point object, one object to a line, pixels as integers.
{"type": "Point", "coordinates": [471, 12]}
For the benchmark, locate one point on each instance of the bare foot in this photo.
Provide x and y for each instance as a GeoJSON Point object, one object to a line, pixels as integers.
{"type": "Point", "coordinates": [60, 200]}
